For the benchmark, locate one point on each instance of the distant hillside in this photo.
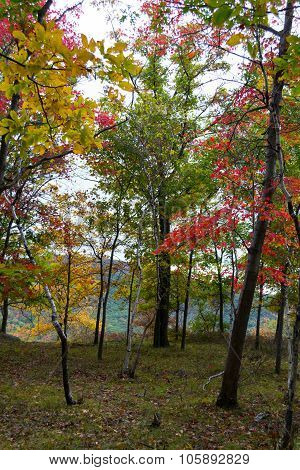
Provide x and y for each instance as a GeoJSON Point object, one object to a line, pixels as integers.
{"type": "Point", "coordinates": [117, 316]}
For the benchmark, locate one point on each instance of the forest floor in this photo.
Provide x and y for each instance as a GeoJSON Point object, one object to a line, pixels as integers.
{"type": "Point", "coordinates": [117, 413]}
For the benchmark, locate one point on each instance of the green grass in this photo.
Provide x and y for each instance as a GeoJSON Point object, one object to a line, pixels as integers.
{"type": "Point", "coordinates": [117, 413]}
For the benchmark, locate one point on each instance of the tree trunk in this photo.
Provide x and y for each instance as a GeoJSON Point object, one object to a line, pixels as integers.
{"type": "Point", "coordinates": [221, 302]}
{"type": "Point", "coordinates": [126, 368]}
{"type": "Point", "coordinates": [260, 300]}
{"type": "Point", "coordinates": [66, 317]}
{"type": "Point", "coordinates": [5, 299]}
{"type": "Point", "coordinates": [129, 305]}
{"type": "Point", "coordinates": [186, 301]}
{"type": "Point", "coordinates": [54, 318]}
{"type": "Point", "coordinates": [136, 361]}
{"type": "Point", "coordinates": [100, 299]}
{"type": "Point", "coordinates": [163, 288]}
{"type": "Point", "coordinates": [286, 442]}
{"type": "Point", "coordinates": [104, 308]}
{"type": "Point", "coordinates": [279, 332]}
{"type": "Point", "coordinates": [4, 315]}
{"type": "Point", "coordinates": [232, 291]}
{"type": "Point", "coordinates": [220, 288]}
{"type": "Point", "coordinates": [228, 393]}
{"type": "Point", "coordinates": [177, 317]}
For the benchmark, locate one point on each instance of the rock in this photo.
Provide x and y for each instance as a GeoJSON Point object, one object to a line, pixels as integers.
{"type": "Point", "coordinates": [261, 416]}
{"type": "Point", "coordinates": [11, 338]}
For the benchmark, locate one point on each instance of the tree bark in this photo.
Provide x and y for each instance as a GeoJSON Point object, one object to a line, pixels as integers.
{"type": "Point", "coordinates": [100, 299]}
{"type": "Point", "coordinates": [286, 442]}
{"type": "Point", "coordinates": [163, 288]}
{"type": "Point", "coordinates": [106, 296]}
{"type": "Point", "coordinates": [136, 361]}
{"type": "Point", "coordinates": [186, 300]}
{"type": "Point", "coordinates": [129, 305]}
{"type": "Point", "coordinates": [232, 291]}
{"type": "Point", "coordinates": [66, 316]}
{"type": "Point", "coordinates": [177, 316]}
{"type": "Point", "coordinates": [5, 305]}
{"type": "Point", "coordinates": [126, 368]}
{"type": "Point", "coordinates": [4, 315]}
{"type": "Point", "coordinates": [279, 332]}
{"type": "Point", "coordinates": [260, 301]}
{"type": "Point", "coordinates": [228, 394]}
{"type": "Point", "coordinates": [220, 287]}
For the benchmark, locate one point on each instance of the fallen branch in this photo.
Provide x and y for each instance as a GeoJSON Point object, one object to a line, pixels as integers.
{"type": "Point", "coordinates": [212, 377]}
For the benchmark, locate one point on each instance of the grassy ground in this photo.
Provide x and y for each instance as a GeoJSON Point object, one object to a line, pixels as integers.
{"type": "Point", "coordinates": [117, 413]}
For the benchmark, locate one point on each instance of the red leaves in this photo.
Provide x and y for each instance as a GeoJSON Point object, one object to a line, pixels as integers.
{"type": "Point", "coordinates": [200, 230]}
{"type": "Point", "coordinates": [5, 34]}
{"type": "Point", "coordinates": [104, 119]}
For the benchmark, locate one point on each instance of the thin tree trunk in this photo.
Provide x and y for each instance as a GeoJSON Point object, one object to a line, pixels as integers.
{"type": "Point", "coordinates": [106, 296]}
{"type": "Point", "coordinates": [5, 304]}
{"type": "Point", "coordinates": [129, 305]}
{"type": "Point", "coordinates": [221, 302]}
{"type": "Point", "coordinates": [4, 315]}
{"type": "Point", "coordinates": [100, 299]}
{"type": "Point", "coordinates": [232, 291]}
{"type": "Point", "coordinates": [138, 353]}
{"type": "Point", "coordinates": [186, 300]}
{"type": "Point", "coordinates": [286, 442]}
{"type": "Point", "coordinates": [279, 332]}
{"type": "Point", "coordinates": [126, 369]}
{"type": "Point", "coordinates": [163, 289]}
{"type": "Point", "coordinates": [54, 318]}
{"type": "Point", "coordinates": [177, 316]}
{"type": "Point", "coordinates": [260, 301]}
{"type": "Point", "coordinates": [66, 316]}
{"type": "Point", "coordinates": [220, 288]}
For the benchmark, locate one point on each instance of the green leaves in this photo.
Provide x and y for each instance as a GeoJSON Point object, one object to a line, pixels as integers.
{"type": "Point", "coordinates": [221, 15]}
{"type": "Point", "coordinates": [211, 3]}
{"type": "Point", "coordinates": [252, 49]}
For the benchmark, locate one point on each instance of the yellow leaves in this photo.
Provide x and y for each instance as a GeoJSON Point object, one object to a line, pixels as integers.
{"type": "Point", "coordinates": [126, 86]}
{"type": "Point", "coordinates": [3, 131]}
{"type": "Point", "coordinates": [235, 39]}
{"type": "Point", "coordinates": [14, 116]}
{"type": "Point", "coordinates": [132, 67]}
{"type": "Point", "coordinates": [100, 45]}
{"type": "Point", "coordinates": [83, 319]}
{"type": "Point", "coordinates": [116, 59]}
{"type": "Point", "coordinates": [40, 32]}
{"type": "Point", "coordinates": [21, 56]}
{"type": "Point", "coordinates": [41, 328]}
{"type": "Point", "coordinates": [19, 35]}
{"type": "Point", "coordinates": [78, 149]}
{"type": "Point", "coordinates": [120, 46]}
{"type": "Point", "coordinates": [84, 41]}
{"type": "Point", "coordinates": [44, 73]}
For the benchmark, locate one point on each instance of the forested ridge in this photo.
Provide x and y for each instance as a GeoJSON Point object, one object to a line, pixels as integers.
{"type": "Point", "coordinates": [149, 224]}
